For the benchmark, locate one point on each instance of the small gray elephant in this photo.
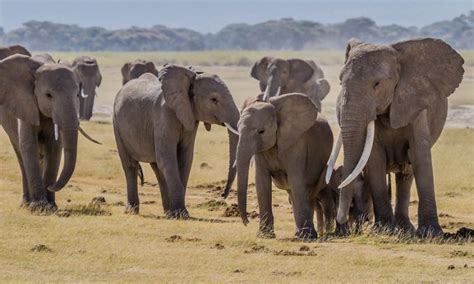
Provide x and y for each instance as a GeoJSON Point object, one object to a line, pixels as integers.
{"type": "Point", "coordinates": [133, 70]}
{"type": "Point", "coordinates": [280, 76]}
{"type": "Point", "coordinates": [392, 108]}
{"type": "Point", "coordinates": [89, 77]}
{"type": "Point", "coordinates": [291, 144]}
{"type": "Point", "coordinates": [156, 120]}
{"type": "Point", "coordinates": [50, 127]}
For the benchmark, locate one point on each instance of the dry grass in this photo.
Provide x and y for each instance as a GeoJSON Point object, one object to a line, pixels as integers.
{"type": "Point", "coordinates": [86, 245]}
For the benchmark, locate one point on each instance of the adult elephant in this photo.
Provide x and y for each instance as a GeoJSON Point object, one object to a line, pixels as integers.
{"type": "Point", "coordinates": [291, 145]}
{"type": "Point", "coordinates": [280, 76]}
{"type": "Point", "coordinates": [133, 70]}
{"type": "Point", "coordinates": [157, 123]}
{"type": "Point", "coordinates": [6, 51]}
{"type": "Point", "coordinates": [51, 126]}
{"type": "Point", "coordinates": [391, 110]}
{"type": "Point", "coordinates": [88, 73]}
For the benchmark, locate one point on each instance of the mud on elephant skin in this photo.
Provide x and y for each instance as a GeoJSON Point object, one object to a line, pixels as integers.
{"type": "Point", "coordinates": [156, 120]}
{"type": "Point", "coordinates": [280, 76]}
{"type": "Point", "coordinates": [291, 145]}
{"type": "Point", "coordinates": [133, 70]}
{"type": "Point", "coordinates": [392, 108]}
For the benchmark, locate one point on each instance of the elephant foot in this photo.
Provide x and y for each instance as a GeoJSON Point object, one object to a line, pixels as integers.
{"type": "Point", "coordinates": [181, 213]}
{"type": "Point", "coordinates": [404, 225]}
{"type": "Point", "coordinates": [429, 231]}
{"type": "Point", "coordinates": [342, 230]}
{"type": "Point", "coordinates": [42, 207]}
{"type": "Point", "coordinates": [132, 209]}
{"type": "Point", "coordinates": [24, 203]}
{"type": "Point", "coordinates": [266, 233]}
{"type": "Point", "coordinates": [306, 234]}
{"type": "Point", "coordinates": [384, 225]}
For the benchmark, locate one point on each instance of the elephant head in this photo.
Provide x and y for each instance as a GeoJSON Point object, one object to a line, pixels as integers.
{"type": "Point", "coordinates": [201, 97]}
{"type": "Point", "coordinates": [89, 76]}
{"type": "Point", "coordinates": [279, 76]}
{"type": "Point", "coordinates": [56, 88]}
{"type": "Point", "coordinates": [277, 123]}
{"type": "Point", "coordinates": [133, 70]}
{"type": "Point", "coordinates": [399, 81]}
{"type": "Point", "coordinates": [17, 82]}
{"type": "Point", "coordinates": [6, 51]}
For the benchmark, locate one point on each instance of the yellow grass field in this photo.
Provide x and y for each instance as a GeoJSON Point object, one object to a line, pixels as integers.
{"type": "Point", "coordinates": [99, 243]}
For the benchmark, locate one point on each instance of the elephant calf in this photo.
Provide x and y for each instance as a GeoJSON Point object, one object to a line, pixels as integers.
{"type": "Point", "coordinates": [133, 70]}
{"type": "Point", "coordinates": [157, 124]}
{"type": "Point", "coordinates": [291, 145]}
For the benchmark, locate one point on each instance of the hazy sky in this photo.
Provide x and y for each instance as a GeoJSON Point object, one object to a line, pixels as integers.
{"type": "Point", "coordinates": [212, 15]}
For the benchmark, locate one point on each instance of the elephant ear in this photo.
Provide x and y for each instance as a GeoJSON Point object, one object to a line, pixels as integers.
{"type": "Point", "coordinates": [150, 66]}
{"type": "Point", "coordinates": [19, 96]}
{"type": "Point", "coordinates": [322, 88]}
{"type": "Point", "coordinates": [300, 70]}
{"type": "Point", "coordinates": [296, 113]}
{"type": "Point", "coordinates": [259, 69]}
{"type": "Point", "coordinates": [125, 72]}
{"type": "Point", "coordinates": [98, 80]}
{"type": "Point", "coordinates": [175, 83]}
{"type": "Point", "coordinates": [430, 70]}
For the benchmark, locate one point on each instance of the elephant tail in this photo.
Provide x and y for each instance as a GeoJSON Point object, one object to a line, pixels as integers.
{"type": "Point", "coordinates": [140, 175]}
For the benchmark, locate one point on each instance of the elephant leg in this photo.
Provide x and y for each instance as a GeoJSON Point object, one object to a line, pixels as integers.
{"type": "Point", "coordinates": [376, 177]}
{"type": "Point", "coordinates": [163, 187]}
{"type": "Point", "coordinates": [263, 184]}
{"type": "Point", "coordinates": [130, 168]}
{"type": "Point", "coordinates": [420, 152]}
{"type": "Point", "coordinates": [167, 161]}
{"type": "Point", "coordinates": [329, 212]}
{"type": "Point", "coordinates": [30, 155]}
{"type": "Point", "coordinates": [51, 163]}
{"type": "Point", "coordinates": [26, 194]}
{"type": "Point", "coordinates": [185, 157]}
{"type": "Point", "coordinates": [319, 217]}
{"type": "Point", "coordinates": [402, 220]}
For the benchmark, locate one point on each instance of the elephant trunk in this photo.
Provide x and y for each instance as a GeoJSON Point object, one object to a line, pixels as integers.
{"type": "Point", "coordinates": [86, 100]}
{"type": "Point", "coordinates": [244, 154]}
{"type": "Point", "coordinates": [273, 87]}
{"type": "Point", "coordinates": [232, 170]}
{"type": "Point", "coordinates": [69, 139]}
{"type": "Point", "coordinates": [353, 128]}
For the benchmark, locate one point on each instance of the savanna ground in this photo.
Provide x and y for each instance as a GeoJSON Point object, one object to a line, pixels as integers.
{"type": "Point", "coordinates": [85, 243]}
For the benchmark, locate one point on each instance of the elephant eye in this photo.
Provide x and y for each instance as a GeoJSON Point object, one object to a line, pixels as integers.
{"type": "Point", "coordinates": [376, 84]}
{"type": "Point", "coordinates": [260, 132]}
{"type": "Point", "coordinates": [214, 100]}
{"type": "Point", "coordinates": [49, 95]}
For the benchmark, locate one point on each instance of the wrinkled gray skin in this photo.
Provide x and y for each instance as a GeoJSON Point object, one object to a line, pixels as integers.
{"type": "Point", "coordinates": [89, 76]}
{"type": "Point", "coordinates": [291, 145]}
{"type": "Point", "coordinates": [292, 76]}
{"type": "Point", "coordinates": [156, 120]}
{"type": "Point", "coordinates": [404, 88]}
{"type": "Point", "coordinates": [49, 96]}
{"type": "Point", "coordinates": [133, 70]}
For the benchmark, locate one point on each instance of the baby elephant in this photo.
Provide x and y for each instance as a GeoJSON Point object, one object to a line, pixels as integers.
{"type": "Point", "coordinates": [133, 70]}
{"type": "Point", "coordinates": [156, 120]}
{"type": "Point", "coordinates": [291, 145]}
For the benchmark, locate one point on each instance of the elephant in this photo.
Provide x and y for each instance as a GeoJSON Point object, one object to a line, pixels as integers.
{"type": "Point", "coordinates": [51, 126]}
{"type": "Point", "coordinates": [89, 76]}
{"type": "Point", "coordinates": [6, 51]}
{"type": "Point", "coordinates": [133, 70]}
{"type": "Point", "coordinates": [280, 76]}
{"type": "Point", "coordinates": [155, 121]}
{"type": "Point", "coordinates": [392, 108]}
{"type": "Point", "coordinates": [291, 144]}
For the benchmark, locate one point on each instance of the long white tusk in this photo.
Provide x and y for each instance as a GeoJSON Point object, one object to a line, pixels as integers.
{"type": "Point", "coordinates": [332, 159]}
{"type": "Point", "coordinates": [266, 96]}
{"type": "Point", "coordinates": [234, 164]}
{"type": "Point", "coordinates": [252, 161]}
{"type": "Point", "coordinates": [369, 141]}
{"type": "Point", "coordinates": [84, 95]}
{"type": "Point", "coordinates": [56, 132]}
{"type": "Point", "coordinates": [233, 130]}
{"type": "Point", "coordinates": [18, 126]}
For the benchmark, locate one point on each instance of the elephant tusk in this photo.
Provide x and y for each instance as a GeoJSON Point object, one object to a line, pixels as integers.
{"type": "Point", "coordinates": [266, 96]}
{"type": "Point", "coordinates": [18, 126]}
{"type": "Point", "coordinates": [56, 132]}
{"type": "Point", "coordinates": [88, 137]}
{"type": "Point", "coordinates": [83, 95]}
{"type": "Point", "coordinates": [369, 141]}
{"type": "Point", "coordinates": [234, 164]}
{"type": "Point", "coordinates": [252, 161]}
{"type": "Point", "coordinates": [278, 92]}
{"type": "Point", "coordinates": [332, 159]}
{"type": "Point", "coordinates": [231, 129]}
